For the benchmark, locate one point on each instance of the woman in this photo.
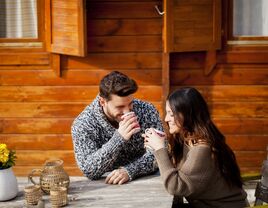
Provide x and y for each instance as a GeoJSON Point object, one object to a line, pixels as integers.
{"type": "Point", "coordinates": [202, 168]}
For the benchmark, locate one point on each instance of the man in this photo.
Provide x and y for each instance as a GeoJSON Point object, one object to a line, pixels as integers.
{"type": "Point", "coordinates": [104, 141]}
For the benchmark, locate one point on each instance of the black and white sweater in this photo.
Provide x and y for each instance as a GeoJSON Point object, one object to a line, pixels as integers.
{"type": "Point", "coordinates": [99, 147]}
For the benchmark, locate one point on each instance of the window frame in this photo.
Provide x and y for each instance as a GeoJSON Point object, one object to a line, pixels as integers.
{"type": "Point", "coordinates": [240, 40]}
{"type": "Point", "coordinates": [40, 30]}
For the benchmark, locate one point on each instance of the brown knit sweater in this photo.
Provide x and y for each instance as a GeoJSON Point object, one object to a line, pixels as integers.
{"type": "Point", "coordinates": [198, 179]}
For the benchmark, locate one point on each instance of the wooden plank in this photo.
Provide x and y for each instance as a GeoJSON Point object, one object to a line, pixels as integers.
{"type": "Point", "coordinates": [35, 126]}
{"type": "Point", "coordinates": [221, 75]}
{"type": "Point", "coordinates": [24, 59]}
{"type": "Point", "coordinates": [25, 170]}
{"type": "Point", "coordinates": [55, 141]}
{"type": "Point", "coordinates": [195, 38]}
{"type": "Point", "coordinates": [239, 93]}
{"type": "Point", "coordinates": [124, 44]}
{"type": "Point", "coordinates": [243, 57]}
{"type": "Point", "coordinates": [56, 125]}
{"type": "Point", "coordinates": [114, 61]}
{"type": "Point", "coordinates": [165, 79]}
{"type": "Point", "coordinates": [239, 109]}
{"type": "Point", "coordinates": [231, 59]}
{"type": "Point", "coordinates": [108, 27]}
{"type": "Point", "coordinates": [190, 60]}
{"type": "Point", "coordinates": [246, 126]}
{"type": "Point", "coordinates": [117, 9]}
{"type": "Point", "coordinates": [250, 158]}
{"type": "Point", "coordinates": [38, 142]}
{"type": "Point", "coordinates": [67, 109]}
{"type": "Point", "coordinates": [74, 77]}
{"type": "Point", "coordinates": [71, 39]}
{"type": "Point", "coordinates": [40, 110]}
{"type": "Point", "coordinates": [83, 192]}
{"type": "Point", "coordinates": [247, 142]}
{"type": "Point", "coordinates": [44, 110]}
{"type": "Point", "coordinates": [38, 157]}
{"type": "Point", "coordinates": [26, 158]}
{"type": "Point", "coordinates": [66, 93]}
{"type": "Point", "coordinates": [25, 67]}
{"type": "Point", "coordinates": [248, 170]}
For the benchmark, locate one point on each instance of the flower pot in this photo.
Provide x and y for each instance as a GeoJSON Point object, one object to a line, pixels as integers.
{"type": "Point", "coordinates": [8, 184]}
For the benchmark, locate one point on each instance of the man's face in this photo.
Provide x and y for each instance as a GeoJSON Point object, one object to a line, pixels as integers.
{"type": "Point", "coordinates": [116, 106]}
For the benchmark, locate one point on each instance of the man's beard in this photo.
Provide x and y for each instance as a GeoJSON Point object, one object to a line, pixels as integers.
{"type": "Point", "coordinates": [112, 119]}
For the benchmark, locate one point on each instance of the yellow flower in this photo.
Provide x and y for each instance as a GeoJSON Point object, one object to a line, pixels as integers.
{"type": "Point", "coordinates": [7, 157]}
{"type": "Point", "coordinates": [3, 146]}
{"type": "Point", "coordinates": [4, 153]}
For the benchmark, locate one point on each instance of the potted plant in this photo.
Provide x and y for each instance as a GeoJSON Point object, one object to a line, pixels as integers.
{"type": "Point", "coordinates": [8, 181]}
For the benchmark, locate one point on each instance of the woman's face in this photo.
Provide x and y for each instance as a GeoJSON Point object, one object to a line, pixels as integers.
{"type": "Point", "coordinates": [174, 126]}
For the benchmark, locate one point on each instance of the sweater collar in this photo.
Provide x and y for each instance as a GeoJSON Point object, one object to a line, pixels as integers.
{"type": "Point", "coordinates": [100, 115]}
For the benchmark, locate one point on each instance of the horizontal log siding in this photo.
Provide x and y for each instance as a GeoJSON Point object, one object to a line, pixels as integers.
{"type": "Point", "coordinates": [37, 107]}
{"type": "Point", "coordinates": [237, 95]}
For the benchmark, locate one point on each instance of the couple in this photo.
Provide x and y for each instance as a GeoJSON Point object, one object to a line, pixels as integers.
{"type": "Point", "coordinates": [198, 165]}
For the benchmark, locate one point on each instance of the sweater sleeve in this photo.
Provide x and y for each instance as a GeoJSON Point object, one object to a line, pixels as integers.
{"type": "Point", "coordinates": [194, 174]}
{"type": "Point", "coordinates": [92, 160]}
{"type": "Point", "coordinates": [146, 164]}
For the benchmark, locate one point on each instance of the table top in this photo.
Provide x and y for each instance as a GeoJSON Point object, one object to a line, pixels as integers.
{"type": "Point", "coordinates": [145, 192]}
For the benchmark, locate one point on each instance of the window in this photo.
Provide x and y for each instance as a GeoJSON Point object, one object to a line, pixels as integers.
{"type": "Point", "coordinates": [248, 22]}
{"type": "Point", "coordinates": [18, 19]}
{"type": "Point", "coordinates": [250, 18]}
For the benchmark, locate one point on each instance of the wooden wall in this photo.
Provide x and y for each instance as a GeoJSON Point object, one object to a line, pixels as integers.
{"type": "Point", "coordinates": [237, 94]}
{"type": "Point", "coordinates": [37, 107]}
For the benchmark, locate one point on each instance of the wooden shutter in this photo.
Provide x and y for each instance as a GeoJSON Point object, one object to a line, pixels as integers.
{"type": "Point", "coordinates": [192, 25]}
{"type": "Point", "coordinates": [66, 27]}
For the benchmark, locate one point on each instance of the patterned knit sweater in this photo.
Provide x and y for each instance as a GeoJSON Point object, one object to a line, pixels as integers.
{"type": "Point", "coordinates": [99, 147]}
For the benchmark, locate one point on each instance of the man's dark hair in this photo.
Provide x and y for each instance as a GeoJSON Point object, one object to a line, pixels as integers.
{"type": "Point", "coordinates": [117, 83]}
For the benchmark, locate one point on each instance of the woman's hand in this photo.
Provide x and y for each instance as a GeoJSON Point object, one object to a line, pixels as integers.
{"type": "Point", "coordinates": [153, 140]}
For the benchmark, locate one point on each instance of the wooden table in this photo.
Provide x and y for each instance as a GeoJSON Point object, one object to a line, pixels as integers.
{"type": "Point", "coordinates": [145, 192]}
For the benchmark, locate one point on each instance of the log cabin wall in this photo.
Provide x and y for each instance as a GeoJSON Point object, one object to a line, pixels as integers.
{"type": "Point", "coordinates": [37, 106]}
{"type": "Point", "coordinates": [237, 94]}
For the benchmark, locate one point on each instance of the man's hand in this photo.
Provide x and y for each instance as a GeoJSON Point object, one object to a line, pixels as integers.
{"type": "Point", "coordinates": [117, 176]}
{"type": "Point", "coordinates": [128, 126]}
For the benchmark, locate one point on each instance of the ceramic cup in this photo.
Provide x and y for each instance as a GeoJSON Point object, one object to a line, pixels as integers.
{"type": "Point", "coordinates": [160, 133]}
{"type": "Point", "coordinates": [131, 113]}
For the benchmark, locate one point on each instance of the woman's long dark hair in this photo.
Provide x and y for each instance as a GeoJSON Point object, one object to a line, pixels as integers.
{"type": "Point", "coordinates": [189, 103]}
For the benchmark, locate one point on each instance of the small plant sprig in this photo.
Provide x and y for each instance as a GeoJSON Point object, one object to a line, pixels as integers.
{"type": "Point", "coordinates": [7, 157]}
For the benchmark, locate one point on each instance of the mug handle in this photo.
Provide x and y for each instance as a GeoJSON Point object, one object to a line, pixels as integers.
{"type": "Point", "coordinates": [32, 173]}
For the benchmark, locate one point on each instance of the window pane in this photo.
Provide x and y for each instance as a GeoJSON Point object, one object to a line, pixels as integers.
{"type": "Point", "coordinates": [250, 18]}
{"type": "Point", "coordinates": [18, 19]}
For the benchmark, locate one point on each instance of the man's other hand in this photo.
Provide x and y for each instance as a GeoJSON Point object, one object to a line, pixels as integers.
{"type": "Point", "coordinates": [117, 176]}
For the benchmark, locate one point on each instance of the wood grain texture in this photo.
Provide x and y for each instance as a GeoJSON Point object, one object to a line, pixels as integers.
{"type": "Point", "coordinates": [37, 106]}
{"type": "Point", "coordinates": [67, 109]}
{"type": "Point", "coordinates": [120, 27]}
{"type": "Point", "coordinates": [73, 77]}
{"type": "Point", "coordinates": [67, 93]}
{"type": "Point", "coordinates": [234, 93]}
{"type": "Point", "coordinates": [119, 61]}
{"type": "Point", "coordinates": [63, 141]}
{"type": "Point", "coordinates": [221, 75]}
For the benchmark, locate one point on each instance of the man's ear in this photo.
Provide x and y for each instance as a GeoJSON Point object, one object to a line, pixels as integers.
{"type": "Point", "coordinates": [102, 101]}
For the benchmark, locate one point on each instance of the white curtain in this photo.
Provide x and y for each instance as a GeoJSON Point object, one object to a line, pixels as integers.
{"type": "Point", "coordinates": [18, 19]}
{"type": "Point", "coordinates": [250, 18]}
